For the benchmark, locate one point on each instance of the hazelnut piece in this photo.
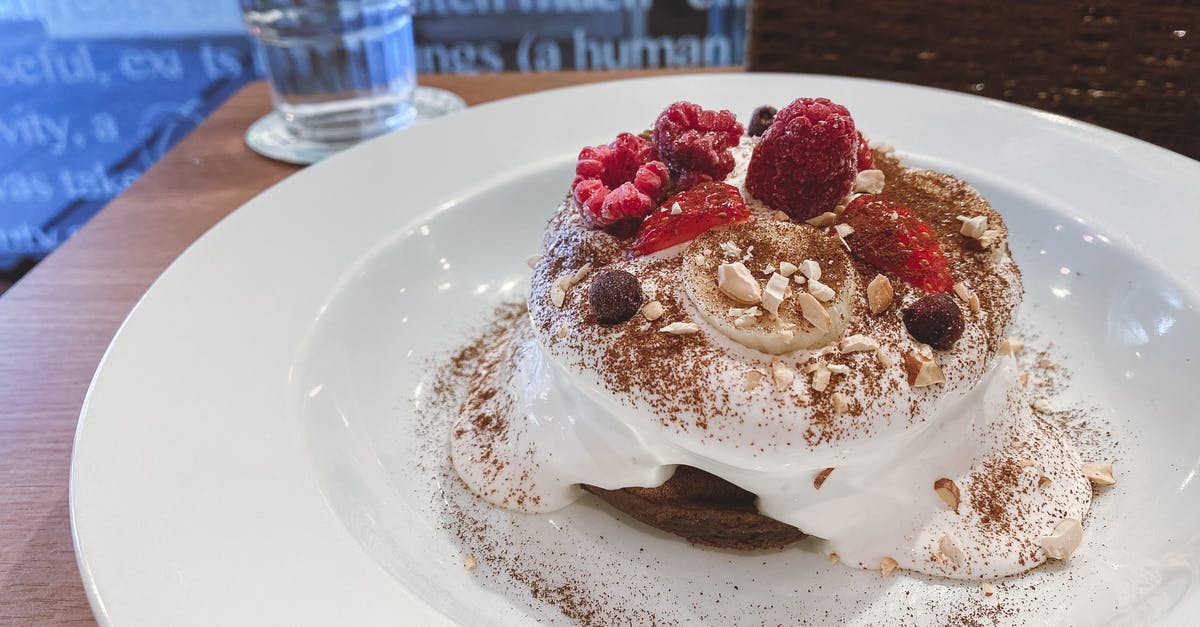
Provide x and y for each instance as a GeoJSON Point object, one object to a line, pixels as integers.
{"type": "Point", "coordinates": [948, 492]}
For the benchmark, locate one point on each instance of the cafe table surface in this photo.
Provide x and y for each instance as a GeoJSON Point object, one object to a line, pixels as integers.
{"type": "Point", "coordinates": [56, 322]}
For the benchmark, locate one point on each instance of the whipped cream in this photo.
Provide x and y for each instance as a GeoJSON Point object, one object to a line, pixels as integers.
{"type": "Point", "coordinates": [566, 429]}
{"type": "Point", "coordinates": [565, 402]}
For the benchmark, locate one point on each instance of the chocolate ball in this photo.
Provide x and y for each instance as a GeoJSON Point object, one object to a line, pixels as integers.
{"type": "Point", "coordinates": [935, 320]}
{"type": "Point", "coordinates": [615, 296]}
{"type": "Point", "coordinates": [760, 120]}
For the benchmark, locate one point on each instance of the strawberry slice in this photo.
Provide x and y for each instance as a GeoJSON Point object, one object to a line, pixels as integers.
{"type": "Point", "coordinates": [702, 207]}
{"type": "Point", "coordinates": [888, 236]}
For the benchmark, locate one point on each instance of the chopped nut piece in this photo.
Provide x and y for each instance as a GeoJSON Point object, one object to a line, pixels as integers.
{"type": "Point", "coordinates": [731, 249]}
{"type": "Point", "coordinates": [780, 216]}
{"type": "Point", "coordinates": [856, 343]}
{"type": "Point", "coordinates": [868, 182]}
{"type": "Point", "coordinates": [838, 368]}
{"type": "Point", "coordinates": [676, 209]}
{"type": "Point", "coordinates": [787, 268]}
{"type": "Point", "coordinates": [782, 375]}
{"type": "Point", "coordinates": [929, 374]}
{"type": "Point", "coordinates": [962, 291]}
{"type": "Point", "coordinates": [823, 220]}
{"type": "Point", "coordinates": [562, 332]}
{"type": "Point", "coordinates": [840, 403]}
{"type": "Point", "coordinates": [973, 302]}
{"type": "Point", "coordinates": [810, 269]}
{"type": "Point", "coordinates": [1042, 406]}
{"type": "Point", "coordinates": [744, 317]}
{"type": "Point", "coordinates": [769, 269]}
{"type": "Point", "coordinates": [922, 370]}
{"type": "Point", "coordinates": [774, 293]}
{"type": "Point", "coordinates": [753, 378]}
{"type": "Point", "coordinates": [820, 379]}
{"type": "Point", "coordinates": [532, 261]}
{"type": "Point", "coordinates": [558, 291]}
{"type": "Point", "coordinates": [884, 359]}
{"type": "Point", "coordinates": [844, 230]}
{"type": "Point", "coordinates": [1099, 473]}
{"type": "Point", "coordinates": [819, 480]}
{"type": "Point", "coordinates": [1043, 481]}
{"type": "Point", "coordinates": [813, 312]}
{"type": "Point", "coordinates": [736, 282]}
{"type": "Point", "coordinates": [950, 548]}
{"type": "Point", "coordinates": [879, 294]}
{"type": "Point", "coordinates": [823, 292]}
{"type": "Point", "coordinates": [1024, 378]}
{"type": "Point", "coordinates": [1046, 363]}
{"type": "Point", "coordinates": [1010, 346]}
{"type": "Point", "coordinates": [469, 562]}
{"type": "Point", "coordinates": [1024, 463]}
{"type": "Point", "coordinates": [973, 228]}
{"type": "Point", "coordinates": [989, 239]}
{"type": "Point", "coordinates": [799, 278]}
{"type": "Point", "coordinates": [581, 273]}
{"type": "Point", "coordinates": [1062, 541]}
{"type": "Point", "coordinates": [652, 310]}
{"type": "Point", "coordinates": [988, 589]}
{"type": "Point", "coordinates": [680, 328]}
{"type": "Point", "coordinates": [948, 491]}
{"type": "Point", "coordinates": [887, 565]}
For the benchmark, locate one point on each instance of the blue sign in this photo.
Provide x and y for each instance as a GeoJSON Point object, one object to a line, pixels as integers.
{"type": "Point", "coordinates": [93, 92]}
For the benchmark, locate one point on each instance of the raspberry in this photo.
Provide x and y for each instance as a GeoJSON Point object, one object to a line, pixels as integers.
{"type": "Point", "coordinates": [866, 160]}
{"type": "Point", "coordinates": [702, 207]}
{"type": "Point", "coordinates": [935, 320]}
{"type": "Point", "coordinates": [806, 160]}
{"type": "Point", "coordinates": [619, 181]}
{"type": "Point", "coordinates": [695, 142]}
{"type": "Point", "coordinates": [888, 236]}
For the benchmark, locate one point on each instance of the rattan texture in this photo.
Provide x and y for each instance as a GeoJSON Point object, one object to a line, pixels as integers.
{"type": "Point", "coordinates": [1128, 66]}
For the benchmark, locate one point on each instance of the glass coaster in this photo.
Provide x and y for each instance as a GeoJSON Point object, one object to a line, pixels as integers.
{"type": "Point", "coordinates": [269, 137]}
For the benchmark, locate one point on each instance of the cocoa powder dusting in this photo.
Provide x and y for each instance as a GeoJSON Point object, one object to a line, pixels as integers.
{"type": "Point", "coordinates": [561, 565]}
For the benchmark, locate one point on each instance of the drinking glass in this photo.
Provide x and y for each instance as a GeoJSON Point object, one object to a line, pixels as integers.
{"type": "Point", "coordinates": [340, 71]}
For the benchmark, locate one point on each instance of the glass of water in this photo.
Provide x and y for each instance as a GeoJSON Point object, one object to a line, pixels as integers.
{"type": "Point", "coordinates": [341, 71]}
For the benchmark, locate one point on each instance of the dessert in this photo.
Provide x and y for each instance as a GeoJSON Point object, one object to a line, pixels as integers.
{"type": "Point", "coordinates": [742, 338]}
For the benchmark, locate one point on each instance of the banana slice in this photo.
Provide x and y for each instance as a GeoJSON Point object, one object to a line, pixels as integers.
{"type": "Point", "coordinates": [790, 316]}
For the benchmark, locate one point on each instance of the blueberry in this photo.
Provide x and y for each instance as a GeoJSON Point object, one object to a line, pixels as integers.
{"type": "Point", "coordinates": [760, 120]}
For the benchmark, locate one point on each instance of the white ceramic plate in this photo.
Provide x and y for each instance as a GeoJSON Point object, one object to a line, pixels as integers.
{"type": "Point", "coordinates": [250, 453]}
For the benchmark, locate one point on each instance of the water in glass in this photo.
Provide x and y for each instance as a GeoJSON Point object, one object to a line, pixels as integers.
{"type": "Point", "coordinates": [340, 70]}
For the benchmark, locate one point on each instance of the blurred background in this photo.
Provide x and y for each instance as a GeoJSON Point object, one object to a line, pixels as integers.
{"type": "Point", "coordinates": [93, 92]}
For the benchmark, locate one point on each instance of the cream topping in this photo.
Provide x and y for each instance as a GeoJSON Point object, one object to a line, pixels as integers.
{"type": "Point", "coordinates": [620, 406]}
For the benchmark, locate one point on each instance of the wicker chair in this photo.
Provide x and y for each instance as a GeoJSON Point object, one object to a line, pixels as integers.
{"type": "Point", "coordinates": [1131, 66]}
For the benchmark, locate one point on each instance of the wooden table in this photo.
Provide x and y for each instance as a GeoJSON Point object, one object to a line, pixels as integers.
{"type": "Point", "coordinates": [59, 318]}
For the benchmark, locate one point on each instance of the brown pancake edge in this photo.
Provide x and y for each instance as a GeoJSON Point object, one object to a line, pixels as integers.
{"type": "Point", "coordinates": [704, 509]}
